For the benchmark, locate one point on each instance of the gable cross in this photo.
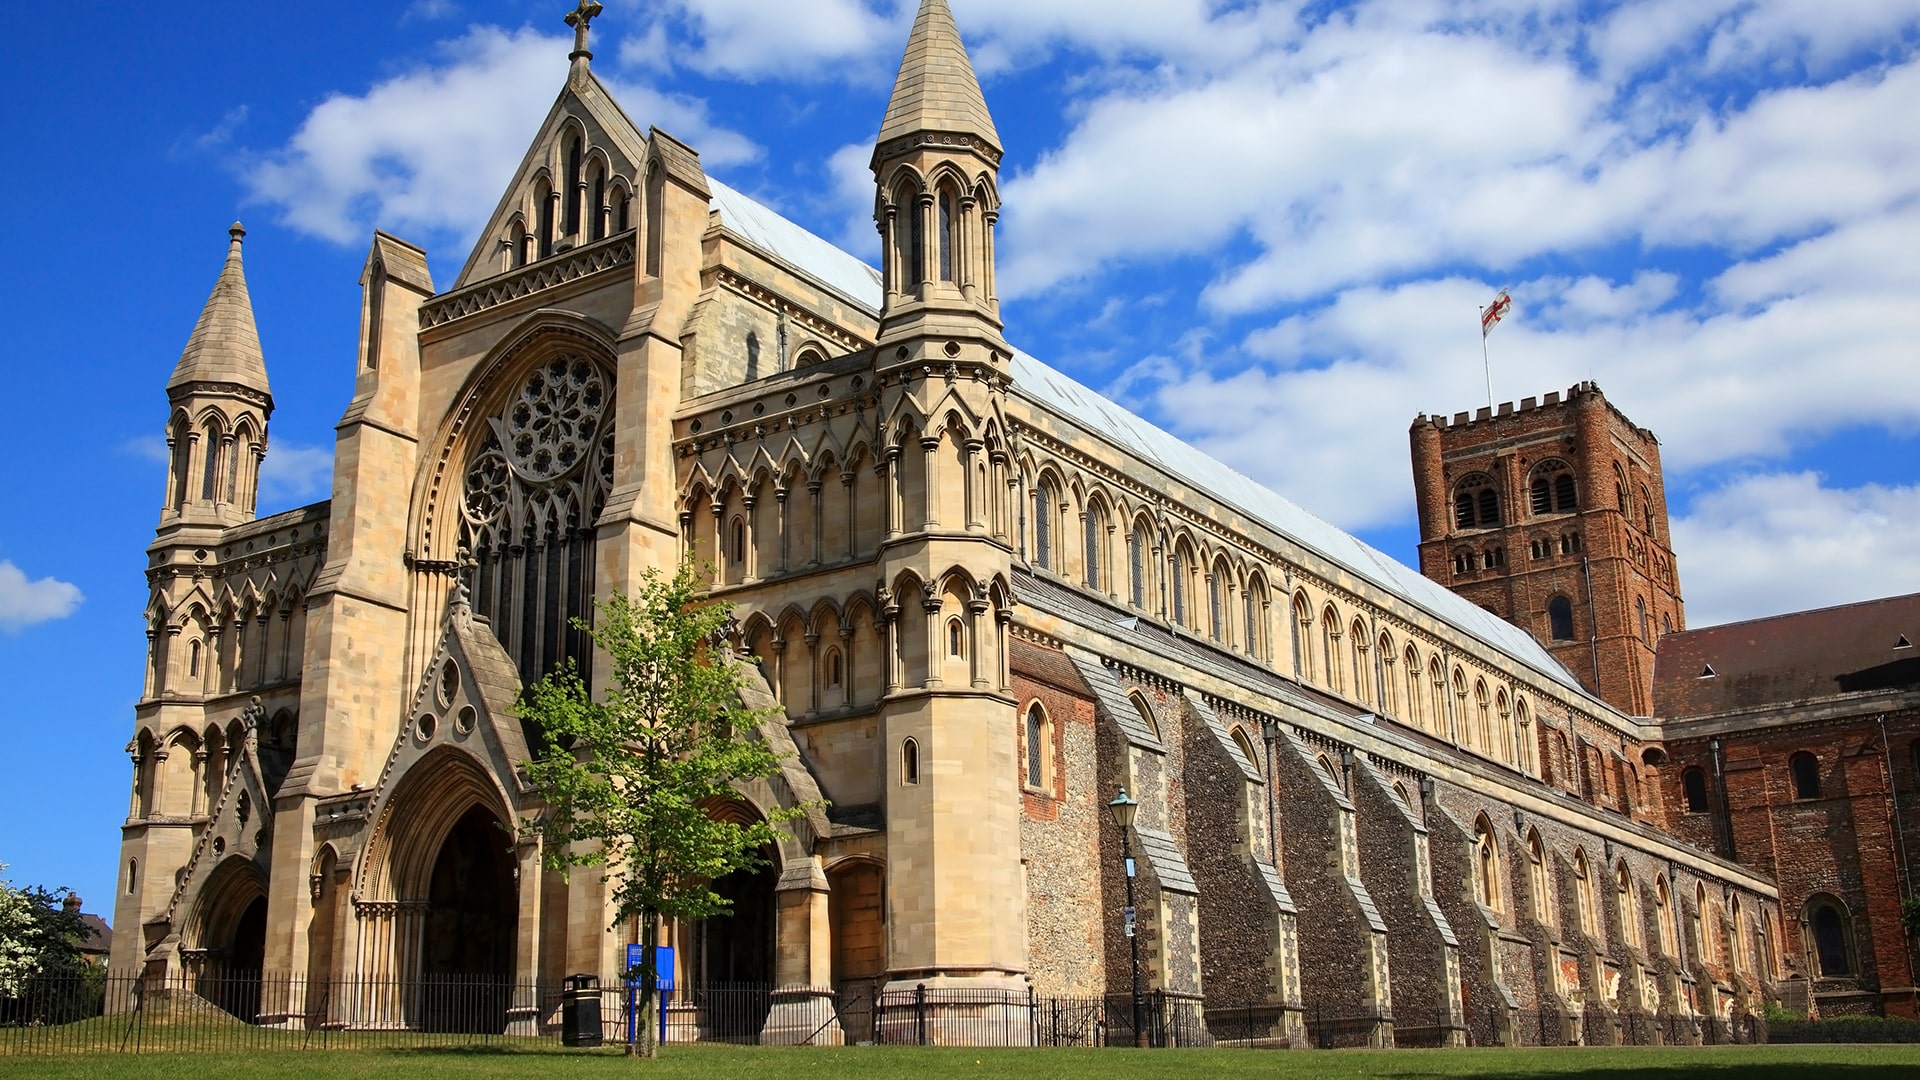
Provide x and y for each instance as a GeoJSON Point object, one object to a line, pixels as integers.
{"type": "Point", "coordinates": [580, 18]}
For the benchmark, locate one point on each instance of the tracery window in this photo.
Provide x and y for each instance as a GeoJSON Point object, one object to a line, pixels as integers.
{"type": "Point", "coordinates": [1137, 569]}
{"type": "Point", "coordinates": [535, 482]}
{"type": "Point", "coordinates": [1552, 490]}
{"type": "Point", "coordinates": [1828, 926]}
{"type": "Point", "coordinates": [1476, 503]}
{"type": "Point", "coordinates": [1043, 503]}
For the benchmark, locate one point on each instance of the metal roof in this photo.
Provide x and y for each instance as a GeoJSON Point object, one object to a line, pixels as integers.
{"type": "Point", "coordinates": [860, 284]}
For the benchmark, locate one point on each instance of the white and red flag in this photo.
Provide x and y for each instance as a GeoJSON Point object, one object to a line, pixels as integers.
{"type": "Point", "coordinates": [1491, 315]}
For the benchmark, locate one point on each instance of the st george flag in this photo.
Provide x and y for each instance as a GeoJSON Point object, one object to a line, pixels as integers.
{"type": "Point", "coordinates": [1491, 315]}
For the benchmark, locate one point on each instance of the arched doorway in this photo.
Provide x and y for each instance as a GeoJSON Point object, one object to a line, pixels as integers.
{"type": "Point", "coordinates": [855, 911]}
{"type": "Point", "coordinates": [731, 969]}
{"type": "Point", "coordinates": [237, 976]}
{"type": "Point", "coordinates": [467, 943]}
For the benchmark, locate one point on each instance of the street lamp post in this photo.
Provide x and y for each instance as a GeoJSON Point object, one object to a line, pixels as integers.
{"type": "Point", "coordinates": [1123, 808]}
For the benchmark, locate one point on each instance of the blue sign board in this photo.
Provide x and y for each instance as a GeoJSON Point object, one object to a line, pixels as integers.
{"type": "Point", "coordinates": [662, 965]}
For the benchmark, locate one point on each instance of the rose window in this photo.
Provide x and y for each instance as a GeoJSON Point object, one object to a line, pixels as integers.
{"type": "Point", "coordinates": [553, 424]}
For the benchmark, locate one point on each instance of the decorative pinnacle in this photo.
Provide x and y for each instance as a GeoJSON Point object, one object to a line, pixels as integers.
{"type": "Point", "coordinates": [238, 232]}
{"type": "Point", "coordinates": [581, 18]}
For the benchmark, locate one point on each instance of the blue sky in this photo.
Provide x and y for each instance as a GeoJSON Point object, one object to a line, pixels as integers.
{"type": "Point", "coordinates": [1264, 224]}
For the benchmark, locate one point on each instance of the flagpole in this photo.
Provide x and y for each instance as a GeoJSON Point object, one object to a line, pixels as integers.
{"type": "Point", "coordinates": [1486, 359]}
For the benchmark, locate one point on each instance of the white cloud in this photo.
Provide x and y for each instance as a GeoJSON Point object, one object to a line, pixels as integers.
{"type": "Point", "coordinates": [24, 603]}
{"type": "Point", "coordinates": [428, 152]}
{"type": "Point", "coordinates": [819, 39]}
{"type": "Point", "coordinates": [1779, 542]}
{"type": "Point", "coordinates": [292, 475]}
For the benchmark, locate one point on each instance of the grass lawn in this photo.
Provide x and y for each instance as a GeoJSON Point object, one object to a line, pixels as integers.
{"type": "Point", "coordinates": [878, 1063]}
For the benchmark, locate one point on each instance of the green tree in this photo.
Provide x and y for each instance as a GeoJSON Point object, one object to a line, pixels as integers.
{"type": "Point", "coordinates": [629, 781]}
{"type": "Point", "coordinates": [41, 967]}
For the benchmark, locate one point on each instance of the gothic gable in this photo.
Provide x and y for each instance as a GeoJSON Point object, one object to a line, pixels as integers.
{"type": "Point", "coordinates": [578, 183]}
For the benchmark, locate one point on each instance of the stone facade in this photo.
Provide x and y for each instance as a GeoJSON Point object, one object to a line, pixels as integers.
{"type": "Point", "coordinates": [983, 597]}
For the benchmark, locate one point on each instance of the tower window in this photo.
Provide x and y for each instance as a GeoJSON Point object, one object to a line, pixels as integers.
{"type": "Point", "coordinates": [956, 640]}
{"type": "Point", "coordinates": [910, 762]}
{"type": "Point", "coordinates": [1564, 497]}
{"type": "Point", "coordinates": [1463, 562]}
{"type": "Point", "coordinates": [1570, 544]}
{"type": "Point", "coordinates": [1552, 489]}
{"type": "Point", "coordinates": [1476, 503]}
{"type": "Point", "coordinates": [1560, 618]}
{"type": "Point", "coordinates": [947, 237]}
{"type": "Point", "coordinates": [1541, 549]}
{"type": "Point", "coordinates": [1804, 768]}
{"type": "Point", "coordinates": [1494, 558]}
{"type": "Point", "coordinates": [1694, 780]}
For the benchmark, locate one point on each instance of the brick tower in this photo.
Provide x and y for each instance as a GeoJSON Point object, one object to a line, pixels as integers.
{"type": "Point", "coordinates": [1553, 516]}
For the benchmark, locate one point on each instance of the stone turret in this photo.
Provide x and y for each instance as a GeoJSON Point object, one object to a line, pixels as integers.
{"type": "Point", "coordinates": [937, 166]}
{"type": "Point", "coordinates": [220, 403]}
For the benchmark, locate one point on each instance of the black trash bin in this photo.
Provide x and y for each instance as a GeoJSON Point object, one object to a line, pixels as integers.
{"type": "Point", "coordinates": [580, 1011]}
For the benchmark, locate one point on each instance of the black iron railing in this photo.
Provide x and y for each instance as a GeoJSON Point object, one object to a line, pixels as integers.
{"type": "Point", "coordinates": [220, 1011]}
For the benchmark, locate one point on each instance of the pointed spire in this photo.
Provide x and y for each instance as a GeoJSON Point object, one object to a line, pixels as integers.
{"type": "Point", "coordinates": [225, 346]}
{"type": "Point", "coordinates": [937, 89]}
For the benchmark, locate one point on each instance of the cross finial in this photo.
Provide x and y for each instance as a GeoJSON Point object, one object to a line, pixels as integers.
{"type": "Point", "coordinates": [580, 18]}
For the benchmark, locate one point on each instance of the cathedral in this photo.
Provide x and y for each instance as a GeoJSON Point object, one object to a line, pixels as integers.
{"type": "Point", "coordinates": [985, 598]}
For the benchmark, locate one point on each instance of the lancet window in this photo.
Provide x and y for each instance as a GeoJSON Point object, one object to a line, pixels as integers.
{"type": "Point", "coordinates": [534, 484]}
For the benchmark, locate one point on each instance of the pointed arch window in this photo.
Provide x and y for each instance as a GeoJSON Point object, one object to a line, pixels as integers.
{"type": "Point", "coordinates": [1583, 893]}
{"type": "Point", "coordinates": [949, 237]}
{"type": "Point", "coordinates": [1036, 745]}
{"type": "Point", "coordinates": [1486, 864]}
{"type": "Point", "coordinates": [1182, 569]}
{"type": "Point", "coordinates": [1096, 537]}
{"type": "Point", "coordinates": [1216, 605]}
{"type": "Point", "coordinates": [533, 485]}
{"type": "Point", "coordinates": [1663, 922]}
{"type": "Point", "coordinates": [576, 182]}
{"type": "Point", "coordinates": [1146, 714]}
{"type": "Point", "coordinates": [1625, 908]}
{"type": "Point", "coordinates": [1832, 932]}
{"type": "Point", "coordinates": [1538, 881]}
{"type": "Point", "coordinates": [910, 762]}
{"type": "Point", "coordinates": [1137, 567]}
{"type": "Point", "coordinates": [1043, 504]}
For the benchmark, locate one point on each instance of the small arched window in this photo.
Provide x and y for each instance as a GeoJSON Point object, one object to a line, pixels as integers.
{"type": "Point", "coordinates": [133, 875]}
{"type": "Point", "coordinates": [1583, 892]}
{"type": "Point", "coordinates": [1043, 503]}
{"type": "Point", "coordinates": [1805, 770]}
{"type": "Point", "coordinates": [1646, 508]}
{"type": "Point", "coordinates": [575, 178]}
{"type": "Point", "coordinates": [1246, 747]}
{"type": "Point", "coordinates": [1036, 745]}
{"type": "Point", "coordinates": [1663, 916]}
{"type": "Point", "coordinates": [1626, 908]}
{"type": "Point", "coordinates": [956, 639]}
{"type": "Point", "coordinates": [1620, 488]}
{"type": "Point", "coordinates": [1486, 864]}
{"type": "Point", "coordinates": [1182, 569]}
{"type": "Point", "coordinates": [1694, 780]}
{"type": "Point", "coordinates": [1538, 883]}
{"type": "Point", "coordinates": [1646, 623]}
{"type": "Point", "coordinates": [1832, 934]}
{"type": "Point", "coordinates": [1146, 714]}
{"type": "Point", "coordinates": [1096, 539]}
{"type": "Point", "coordinates": [835, 669]}
{"type": "Point", "coordinates": [910, 762]}
{"type": "Point", "coordinates": [1216, 604]}
{"type": "Point", "coordinates": [193, 660]}
{"type": "Point", "coordinates": [737, 551]}
{"type": "Point", "coordinates": [1137, 569]}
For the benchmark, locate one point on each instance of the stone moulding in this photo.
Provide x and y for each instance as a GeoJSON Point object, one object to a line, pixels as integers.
{"type": "Point", "coordinates": [609, 254]}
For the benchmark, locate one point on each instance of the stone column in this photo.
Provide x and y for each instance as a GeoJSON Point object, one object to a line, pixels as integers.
{"type": "Point", "coordinates": [803, 1000]}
